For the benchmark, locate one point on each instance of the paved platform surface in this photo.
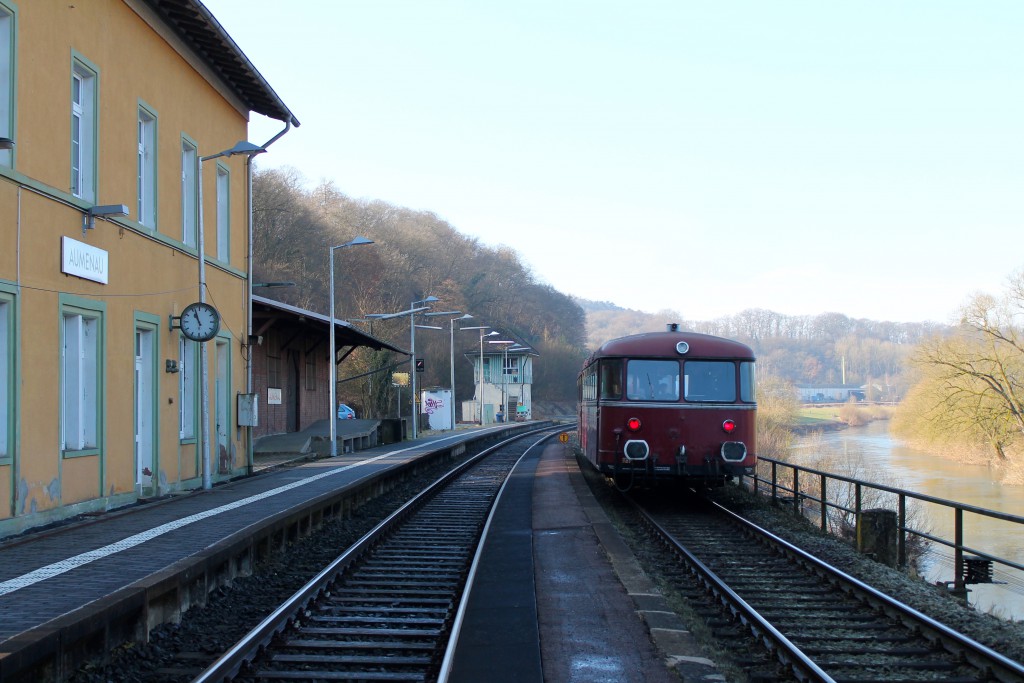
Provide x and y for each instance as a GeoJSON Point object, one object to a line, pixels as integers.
{"type": "Point", "coordinates": [54, 581]}
{"type": "Point", "coordinates": [560, 598]}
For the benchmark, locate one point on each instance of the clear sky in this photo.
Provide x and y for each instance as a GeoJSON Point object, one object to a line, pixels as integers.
{"type": "Point", "coordinates": [864, 158]}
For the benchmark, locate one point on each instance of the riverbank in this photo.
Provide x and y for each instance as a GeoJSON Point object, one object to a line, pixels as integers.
{"type": "Point", "coordinates": [835, 417]}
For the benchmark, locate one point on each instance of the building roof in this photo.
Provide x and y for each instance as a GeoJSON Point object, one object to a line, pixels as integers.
{"type": "Point", "coordinates": [267, 311]}
{"type": "Point", "coordinates": [198, 28]}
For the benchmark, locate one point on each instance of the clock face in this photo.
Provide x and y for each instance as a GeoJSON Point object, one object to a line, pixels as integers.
{"type": "Point", "coordinates": [200, 322]}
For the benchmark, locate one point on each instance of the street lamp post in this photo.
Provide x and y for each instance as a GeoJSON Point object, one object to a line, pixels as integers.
{"type": "Point", "coordinates": [432, 314]}
{"type": "Point", "coordinates": [480, 402]}
{"type": "Point", "coordinates": [451, 334]}
{"type": "Point", "coordinates": [505, 343]}
{"type": "Point", "coordinates": [412, 350]}
{"type": "Point", "coordinates": [411, 312]}
{"type": "Point", "coordinates": [243, 147]}
{"type": "Point", "coordinates": [332, 415]}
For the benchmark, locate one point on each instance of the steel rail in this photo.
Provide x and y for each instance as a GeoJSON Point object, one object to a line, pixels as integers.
{"type": "Point", "coordinates": [979, 655]}
{"type": "Point", "coordinates": [229, 664]}
{"type": "Point", "coordinates": [453, 641]}
{"type": "Point", "coordinates": [802, 667]}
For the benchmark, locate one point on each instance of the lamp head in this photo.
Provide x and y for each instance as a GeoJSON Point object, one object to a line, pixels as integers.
{"type": "Point", "coordinates": [88, 220]}
{"type": "Point", "coordinates": [244, 147]}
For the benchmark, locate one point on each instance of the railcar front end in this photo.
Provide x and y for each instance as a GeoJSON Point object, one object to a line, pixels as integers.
{"type": "Point", "coordinates": [669, 406]}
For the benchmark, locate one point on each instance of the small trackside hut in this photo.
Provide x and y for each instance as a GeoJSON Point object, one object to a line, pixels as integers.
{"type": "Point", "coordinates": [669, 406]}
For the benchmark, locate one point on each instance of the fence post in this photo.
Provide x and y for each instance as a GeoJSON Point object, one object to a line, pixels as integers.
{"type": "Point", "coordinates": [958, 550]}
{"type": "Point", "coordinates": [796, 491]}
{"type": "Point", "coordinates": [824, 502]}
{"type": "Point", "coordinates": [902, 550]}
{"type": "Point", "coordinates": [775, 483]}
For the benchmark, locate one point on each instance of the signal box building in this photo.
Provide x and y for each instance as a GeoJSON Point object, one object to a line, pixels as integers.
{"type": "Point", "coordinates": [111, 111]}
{"type": "Point", "coordinates": [507, 382]}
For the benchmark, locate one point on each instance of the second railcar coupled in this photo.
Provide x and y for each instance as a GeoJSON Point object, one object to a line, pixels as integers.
{"type": "Point", "coordinates": [669, 405]}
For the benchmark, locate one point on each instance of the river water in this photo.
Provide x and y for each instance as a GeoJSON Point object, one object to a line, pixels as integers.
{"type": "Point", "coordinates": [873, 455]}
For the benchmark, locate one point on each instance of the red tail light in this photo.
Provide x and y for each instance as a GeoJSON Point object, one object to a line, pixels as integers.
{"type": "Point", "coordinates": [633, 424]}
{"type": "Point", "coordinates": [729, 426]}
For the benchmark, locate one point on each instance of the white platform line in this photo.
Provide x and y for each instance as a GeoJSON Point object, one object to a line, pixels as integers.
{"type": "Point", "coordinates": [57, 568]}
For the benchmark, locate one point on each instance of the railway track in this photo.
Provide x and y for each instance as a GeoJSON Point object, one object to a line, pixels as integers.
{"type": "Point", "coordinates": [384, 609]}
{"type": "Point", "coordinates": [816, 622]}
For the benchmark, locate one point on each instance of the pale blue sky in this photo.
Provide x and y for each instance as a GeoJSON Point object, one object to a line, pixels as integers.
{"type": "Point", "coordinates": [865, 157]}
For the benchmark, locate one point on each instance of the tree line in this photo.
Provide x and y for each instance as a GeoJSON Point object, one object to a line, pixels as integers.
{"type": "Point", "coordinates": [829, 348]}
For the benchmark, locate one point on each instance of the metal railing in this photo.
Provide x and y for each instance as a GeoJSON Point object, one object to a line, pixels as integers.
{"type": "Point", "coordinates": [809, 491]}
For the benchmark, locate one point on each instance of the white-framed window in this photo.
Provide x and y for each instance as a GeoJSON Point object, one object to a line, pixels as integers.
{"type": "Point", "coordinates": [223, 215]}
{"type": "Point", "coordinates": [6, 373]}
{"type": "Point", "coordinates": [189, 193]}
{"type": "Point", "coordinates": [147, 167]}
{"type": "Point", "coordinates": [80, 389]}
{"type": "Point", "coordinates": [7, 28]}
{"type": "Point", "coordinates": [187, 388]}
{"type": "Point", "coordinates": [83, 131]}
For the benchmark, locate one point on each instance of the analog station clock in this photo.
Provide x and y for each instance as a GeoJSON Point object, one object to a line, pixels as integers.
{"type": "Point", "coordinates": [200, 322]}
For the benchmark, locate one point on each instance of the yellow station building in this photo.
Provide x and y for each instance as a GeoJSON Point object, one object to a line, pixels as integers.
{"type": "Point", "coordinates": [111, 112]}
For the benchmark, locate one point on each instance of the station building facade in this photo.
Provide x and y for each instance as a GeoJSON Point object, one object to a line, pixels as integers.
{"type": "Point", "coordinates": [107, 110]}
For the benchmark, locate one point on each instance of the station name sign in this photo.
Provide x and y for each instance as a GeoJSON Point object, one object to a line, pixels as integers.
{"type": "Point", "coordinates": [84, 260]}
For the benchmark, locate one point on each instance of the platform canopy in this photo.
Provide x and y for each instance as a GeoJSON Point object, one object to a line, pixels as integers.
{"type": "Point", "coordinates": [267, 314]}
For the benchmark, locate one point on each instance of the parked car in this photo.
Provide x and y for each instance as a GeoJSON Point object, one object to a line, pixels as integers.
{"type": "Point", "coordinates": [345, 413]}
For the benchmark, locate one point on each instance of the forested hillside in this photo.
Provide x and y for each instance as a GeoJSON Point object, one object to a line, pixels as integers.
{"type": "Point", "coordinates": [415, 254]}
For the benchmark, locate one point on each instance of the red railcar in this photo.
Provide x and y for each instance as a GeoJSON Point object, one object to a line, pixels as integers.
{"type": "Point", "coordinates": [669, 405]}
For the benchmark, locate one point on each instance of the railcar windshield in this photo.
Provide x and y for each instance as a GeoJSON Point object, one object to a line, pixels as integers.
{"type": "Point", "coordinates": [652, 380]}
{"type": "Point", "coordinates": [710, 381]}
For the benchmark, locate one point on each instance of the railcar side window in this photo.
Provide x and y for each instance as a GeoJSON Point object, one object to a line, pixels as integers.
{"type": "Point", "coordinates": [611, 379]}
{"type": "Point", "coordinates": [710, 381]}
{"type": "Point", "coordinates": [747, 384]}
{"type": "Point", "coordinates": [652, 380]}
{"type": "Point", "coordinates": [588, 383]}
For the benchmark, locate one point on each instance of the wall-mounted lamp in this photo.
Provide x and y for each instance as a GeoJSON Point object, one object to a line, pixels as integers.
{"type": "Point", "coordinates": [88, 220]}
{"type": "Point", "coordinates": [6, 143]}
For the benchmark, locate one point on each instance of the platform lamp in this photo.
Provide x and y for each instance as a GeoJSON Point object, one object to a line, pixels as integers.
{"type": "Point", "coordinates": [505, 343]}
{"type": "Point", "coordinates": [241, 148]}
{"type": "Point", "coordinates": [451, 334]}
{"type": "Point", "coordinates": [465, 317]}
{"type": "Point", "coordinates": [480, 374]}
{"type": "Point", "coordinates": [412, 349]}
{"type": "Point", "coordinates": [332, 416]}
{"type": "Point", "coordinates": [436, 314]}
{"type": "Point", "coordinates": [411, 312]}
{"type": "Point", "coordinates": [480, 402]}
{"type": "Point", "coordinates": [520, 371]}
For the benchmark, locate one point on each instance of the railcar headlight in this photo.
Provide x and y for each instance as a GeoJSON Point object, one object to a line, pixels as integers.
{"type": "Point", "coordinates": [734, 451]}
{"type": "Point", "coordinates": [636, 449]}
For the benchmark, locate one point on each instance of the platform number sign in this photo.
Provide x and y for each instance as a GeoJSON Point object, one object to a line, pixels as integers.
{"type": "Point", "coordinates": [563, 437]}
